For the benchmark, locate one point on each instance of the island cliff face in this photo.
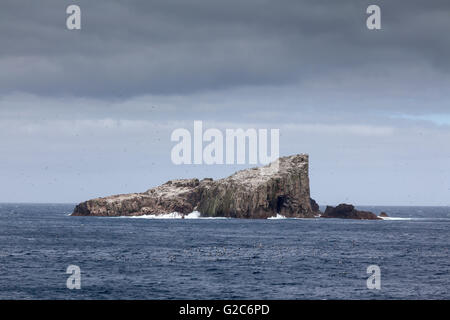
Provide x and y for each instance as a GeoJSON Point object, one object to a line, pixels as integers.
{"type": "Point", "coordinates": [252, 193]}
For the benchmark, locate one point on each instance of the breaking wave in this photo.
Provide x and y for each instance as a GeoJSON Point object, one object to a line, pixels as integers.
{"type": "Point", "coordinates": [278, 216]}
{"type": "Point", "coordinates": [197, 215]}
{"type": "Point", "coordinates": [396, 218]}
{"type": "Point", "coordinates": [173, 215]}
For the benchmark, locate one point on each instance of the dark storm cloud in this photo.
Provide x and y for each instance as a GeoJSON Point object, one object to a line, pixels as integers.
{"type": "Point", "coordinates": [181, 47]}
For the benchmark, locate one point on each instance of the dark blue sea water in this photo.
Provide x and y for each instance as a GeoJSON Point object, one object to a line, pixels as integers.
{"type": "Point", "coordinates": [128, 258]}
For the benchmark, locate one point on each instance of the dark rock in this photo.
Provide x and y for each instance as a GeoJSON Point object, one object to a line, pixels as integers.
{"type": "Point", "coordinates": [253, 193]}
{"type": "Point", "coordinates": [315, 206]}
{"type": "Point", "coordinates": [384, 215]}
{"type": "Point", "coordinates": [348, 211]}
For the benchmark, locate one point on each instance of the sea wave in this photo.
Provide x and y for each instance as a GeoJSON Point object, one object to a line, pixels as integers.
{"type": "Point", "coordinates": [197, 215]}
{"type": "Point", "coordinates": [278, 216]}
{"type": "Point", "coordinates": [417, 219]}
{"type": "Point", "coordinates": [173, 215]}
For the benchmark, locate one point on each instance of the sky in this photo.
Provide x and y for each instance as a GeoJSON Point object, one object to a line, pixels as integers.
{"type": "Point", "coordinates": [89, 113]}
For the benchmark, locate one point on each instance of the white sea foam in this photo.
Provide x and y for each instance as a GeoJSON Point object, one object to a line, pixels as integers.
{"type": "Point", "coordinates": [197, 215]}
{"type": "Point", "coordinates": [396, 218]}
{"type": "Point", "coordinates": [278, 216]}
{"type": "Point", "coordinates": [173, 215]}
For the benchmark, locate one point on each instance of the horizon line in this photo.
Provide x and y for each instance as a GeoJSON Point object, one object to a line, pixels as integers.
{"type": "Point", "coordinates": [321, 205]}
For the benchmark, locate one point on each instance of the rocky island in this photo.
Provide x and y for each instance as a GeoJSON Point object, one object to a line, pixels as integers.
{"type": "Point", "coordinates": [260, 193]}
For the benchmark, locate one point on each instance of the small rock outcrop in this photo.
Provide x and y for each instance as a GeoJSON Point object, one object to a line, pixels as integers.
{"type": "Point", "coordinates": [315, 207]}
{"type": "Point", "coordinates": [279, 188]}
{"type": "Point", "coordinates": [348, 211]}
{"type": "Point", "coordinates": [384, 215]}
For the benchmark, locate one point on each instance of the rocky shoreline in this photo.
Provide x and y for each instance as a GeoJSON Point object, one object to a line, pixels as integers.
{"type": "Point", "coordinates": [281, 188]}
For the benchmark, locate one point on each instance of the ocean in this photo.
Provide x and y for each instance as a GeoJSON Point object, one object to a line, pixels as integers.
{"type": "Point", "coordinates": [144, 258]}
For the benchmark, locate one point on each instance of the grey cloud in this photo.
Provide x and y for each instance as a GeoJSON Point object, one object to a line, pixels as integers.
{"type": "Point", "coordinates": [180, 47]}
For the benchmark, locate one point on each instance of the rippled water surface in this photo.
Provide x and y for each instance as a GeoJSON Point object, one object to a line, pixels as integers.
{"type": "Point", "coordinates": [129, 258]}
